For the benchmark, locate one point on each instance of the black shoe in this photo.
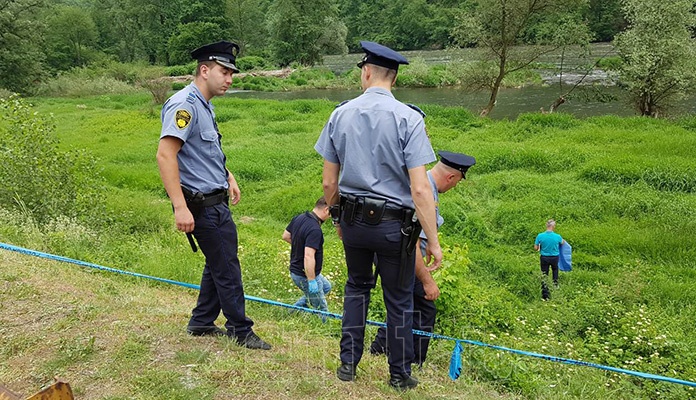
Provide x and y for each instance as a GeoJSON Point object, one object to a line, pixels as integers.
{"type": "Point", "coordinates": [403, 382]}
{"type": "Point", "coordinates": [376, 349]}
{"type": "Point", "coordinates": [253, 341]}
{"type": "Point", "coordinates": [346, 372]}
{"type": "Point", "coordinates": [205, 331]}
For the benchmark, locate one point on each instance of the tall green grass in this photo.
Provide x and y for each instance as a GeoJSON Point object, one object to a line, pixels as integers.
{"type": "Point", "coordinates": [621, 190]}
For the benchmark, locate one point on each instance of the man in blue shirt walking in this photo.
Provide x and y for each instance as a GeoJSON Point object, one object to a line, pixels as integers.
{"type": "Point", "coordinates": [547, 244]}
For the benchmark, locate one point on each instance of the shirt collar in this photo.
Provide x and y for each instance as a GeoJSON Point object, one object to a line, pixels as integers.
{"type": "Point", "coordinates": [198, 94]}
{"type": "Point", "coordinates": [379, 90]}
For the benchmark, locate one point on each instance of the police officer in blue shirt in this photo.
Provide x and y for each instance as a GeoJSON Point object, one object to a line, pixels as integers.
{"type": "Point", "coordinates": [193, 171]}
{"type": "Point", "coordinates": [375, 150]}
{"type": "Point", "coordinates": [445, 175]}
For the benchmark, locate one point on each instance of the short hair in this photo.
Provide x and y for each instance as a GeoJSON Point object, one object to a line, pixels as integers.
{"type": "Point", "coordinates": [383, 73]}
{"type": "Point", "coordinates": [209, 64]}
{"type": "Point", "coordinates": [550, 223]}
{"type": "Point", "coordinates": [321, 203]}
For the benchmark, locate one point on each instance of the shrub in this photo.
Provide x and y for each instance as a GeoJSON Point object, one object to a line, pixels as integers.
{"type": "Point", "coordinates": [610, 63]}
{"type": "Point", "coordinates": [250, 63]}
{"type": "Point", "coordinates": [179, 70]}
{"type": "Point", "coordinates": [37, 178]}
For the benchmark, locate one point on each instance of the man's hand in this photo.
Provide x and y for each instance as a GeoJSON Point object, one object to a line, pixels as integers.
{"type": "Point", "coordinates": [313, 286]}
{"type": "Point", "coordinates": [433, 256]}
{"type": "Point", "coordinates": [235, 194]}
{"type": "Point", "coordinates": [184, 219]}
{"type": "Point", "coordinates": [432, 292]}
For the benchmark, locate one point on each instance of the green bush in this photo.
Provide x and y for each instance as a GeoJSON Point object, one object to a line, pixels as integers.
{"type": "Point", "coordinates": [179, 70]}
{"type": "Point", "coordinates": [610, 63]}
{"type": "Point", "coordinates": [250, 63]}
{"type": "Point", "coordinates": [37, 178]}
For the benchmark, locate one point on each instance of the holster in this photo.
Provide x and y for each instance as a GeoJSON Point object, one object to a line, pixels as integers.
{"type": "Point", "coordinates": [349, 205]}
{"type": "Point", "coordinates": [196, 202]}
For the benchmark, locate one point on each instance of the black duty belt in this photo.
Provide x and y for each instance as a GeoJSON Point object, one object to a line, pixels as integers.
{"type": "Point", "coordinates": [213, 198]}
{"type": "Point", "coordinates": [390, 214]}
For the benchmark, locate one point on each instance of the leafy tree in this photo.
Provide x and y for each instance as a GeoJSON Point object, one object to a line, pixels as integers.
{"type": "Point", "coordinates": [605, 19]}
{"type": "Point", "coordinates": [21, 55]}
{"type": "Point", "coordinates": [71, 33]}
{"type": "Point", "coordinates": [658, 53]}
{"type": "Point", "coordinates": [247, 28]}
{"type": "Point", "coordinates": [134, 30]}
{"type": "Point", "coordinates": [191, 36]}
{"type": "Point", "coordinates": [303, 30]}
{"type": "Point", "coordinates": [501, 26]}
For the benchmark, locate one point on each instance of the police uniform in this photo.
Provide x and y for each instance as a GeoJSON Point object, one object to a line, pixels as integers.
{"type": "Point", "coordinates": [424, 310]}
{"type": "Point", "coordinates": [376, 139]}
{"type": "Point", "coordinates": [188, 116]}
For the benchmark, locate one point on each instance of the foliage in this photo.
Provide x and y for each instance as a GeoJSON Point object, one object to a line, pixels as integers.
{"type": "Point", "coordinates": [302, 31]}
{"type": "Point", "coordinates": [251, 63]}
{"type": "Point", "coordinates": [179, 70]}
{"type": "Point", "coordinates": [191, 36]}
{"type": "Point", "coordinates": [634, 241]}
{"type": "Point", "coordinates": [605, 19]}
{"type": "Point", "coordinates": [37, 178]}
{"type": "Point", "coordinates": [72, 34]}
{"type": "Point", "coordinates": [501, 26]}
{"type": "Point", "coordinates": [247, 24]}
{"type": "Point", "coordinates": [21, 53]}
{"type": "Point", "coordinates": [658, 53]}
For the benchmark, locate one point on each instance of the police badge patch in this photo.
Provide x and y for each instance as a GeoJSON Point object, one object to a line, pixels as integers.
{"type": "Point", "coordinates": [183, 118]}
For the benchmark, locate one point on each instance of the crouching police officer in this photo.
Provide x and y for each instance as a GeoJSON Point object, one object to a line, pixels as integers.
{"type": "Point", "coordinates": [379, 148]}
{"type": "Point", "coordinates": [445, 175]}
{"type": "Point", "coordinates": [192, 168]}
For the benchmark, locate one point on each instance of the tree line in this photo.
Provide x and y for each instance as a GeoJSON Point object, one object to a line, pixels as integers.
{"type": "Point", "coordinates": [41, 38]}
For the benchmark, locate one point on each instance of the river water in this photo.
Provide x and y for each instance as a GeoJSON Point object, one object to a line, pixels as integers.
{"type": "Point", "coordinates": [511, 102]}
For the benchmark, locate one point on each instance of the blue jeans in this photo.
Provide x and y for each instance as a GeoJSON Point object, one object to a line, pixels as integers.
{"type": "Point", "coordinates": [318, 300]}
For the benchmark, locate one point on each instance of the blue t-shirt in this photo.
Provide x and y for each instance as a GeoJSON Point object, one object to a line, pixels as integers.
{"type": "Point", "coordinates": [549, 242]}
{"type": "Point", "coordinates": [305, 231]}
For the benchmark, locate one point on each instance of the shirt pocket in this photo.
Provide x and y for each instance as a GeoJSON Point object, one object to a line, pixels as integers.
{"type": "Point", "coordinates": [210, 142]}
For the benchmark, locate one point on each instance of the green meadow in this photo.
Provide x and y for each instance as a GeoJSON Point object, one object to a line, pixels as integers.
{"type": "Point", "coordinates": [622, 190]}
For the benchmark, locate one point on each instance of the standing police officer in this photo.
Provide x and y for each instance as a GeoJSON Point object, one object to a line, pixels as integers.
{"type": "Point", "coordinates": [375, 150]}
{"type": "Point", "coordinates": [192, 168]}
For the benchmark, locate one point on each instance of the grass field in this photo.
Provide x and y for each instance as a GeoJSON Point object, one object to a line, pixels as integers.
{"type": "Point", "coordinates": [621, 189]}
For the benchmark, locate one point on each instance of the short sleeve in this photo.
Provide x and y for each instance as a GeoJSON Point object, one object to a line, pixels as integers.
{"type": "Point", "coordinates": [177, 120]}
{"type": "Point", "coordinates": [314, 239]}
{"type": "Point", "coordinates": [324, 145]}
{"type": "Point", "coordinates": [417, 149]}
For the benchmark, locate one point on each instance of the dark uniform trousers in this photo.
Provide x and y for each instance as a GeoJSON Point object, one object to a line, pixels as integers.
{"type": "Point", "coordinates": [424, 312]}
{"type": "Point", "coordinates": [362, 243]}
{"type": "Point", "coordinates": [547, 262]}
{"type": "Point", "coordinates": [221, 284]}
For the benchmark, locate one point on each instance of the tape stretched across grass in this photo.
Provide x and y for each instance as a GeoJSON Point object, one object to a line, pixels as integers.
{"type": "Point", "coordinates": [455, 363]}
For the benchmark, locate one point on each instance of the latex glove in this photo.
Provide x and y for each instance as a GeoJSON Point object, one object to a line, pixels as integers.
{"type": "Point", "coordinates": [313, 286]}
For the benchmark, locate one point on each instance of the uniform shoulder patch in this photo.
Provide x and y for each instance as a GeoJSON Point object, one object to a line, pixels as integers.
{"type": "Point", "coordinates": [342, 103]}
{"type": "Point", "coordinates": [415, 107]}
{"type": "Point", "coordinates": [183, 118]}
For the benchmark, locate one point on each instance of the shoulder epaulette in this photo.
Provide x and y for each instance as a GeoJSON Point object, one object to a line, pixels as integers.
{"type": "Point", "coordinates": [191, 98]}
{"type": "Point", "coordinates": [415, 107]}
{"type": "Point", "coordinates": [342, 103]}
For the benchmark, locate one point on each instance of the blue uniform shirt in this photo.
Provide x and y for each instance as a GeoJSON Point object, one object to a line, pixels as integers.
{"type": "Point", "coordinates": [376, 139]}
{"type": "Point", "coordinates": [549, 242]}
{"type": "Point", "coordinates": [436, 197]}
{"type": "Point", "coordinates": [189, 117]}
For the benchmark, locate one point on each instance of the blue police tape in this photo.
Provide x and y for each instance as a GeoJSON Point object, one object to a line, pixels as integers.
{"type": "Point", "coordinates": [455, 365]}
